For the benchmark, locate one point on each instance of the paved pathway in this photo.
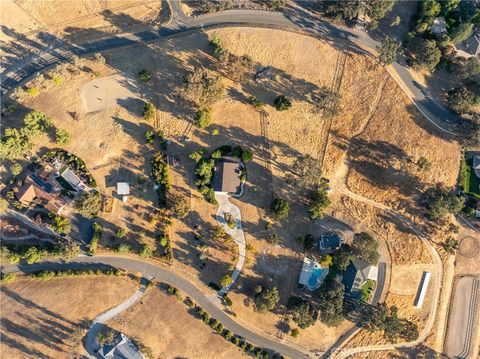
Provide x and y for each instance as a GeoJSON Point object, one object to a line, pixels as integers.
{"type": "Point", "coordinates": [225, 206]}
{"type": "Point", "coordinates": [91, 344]}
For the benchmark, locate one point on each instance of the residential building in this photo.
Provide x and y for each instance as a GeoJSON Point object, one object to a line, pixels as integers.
{"type": "Point", "coordinates": [312, 274]}
{"type": "Point", "coordinates": [226, 175]}
{"type": "Point", "coordinates": [72, 179]}
{"type": "Point", "coordinates": [356, 275]}
{"type": "Point", "coordinates": [439, 26]}
{"type": "Point", "coordinates": [41, 186]}
{"type": "Point", "coordinates": [476, 165]}
{"type": "Point", "coordinates": [329, 242]}
{"type": "Point", "coordinates": [470, 47]}
{"type": "Point", "coordinates": [120, 348]}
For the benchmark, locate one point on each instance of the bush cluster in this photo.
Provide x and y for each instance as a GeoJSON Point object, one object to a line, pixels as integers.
{"type": "Point", "coordinates": [75, 163]}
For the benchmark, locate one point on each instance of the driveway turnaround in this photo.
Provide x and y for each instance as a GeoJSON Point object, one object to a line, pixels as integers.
{"type": "Point", "coordinates": [461, 321]}
{"type": "Point", "coordinates": [167, 275]}
{"type": "Point", "coordinates": [91, 345]}
{"type": "Point", "coordinates": [225, 206]}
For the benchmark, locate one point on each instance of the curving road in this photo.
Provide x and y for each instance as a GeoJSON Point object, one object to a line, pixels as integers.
{"type": "Point", "coordinates": [165, 274]}
{"type": "Point", "coordinates": [293, 19]}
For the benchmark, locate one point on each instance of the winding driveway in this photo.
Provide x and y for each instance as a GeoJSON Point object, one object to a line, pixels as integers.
{"type": "Point", "coordinates": [225, 206]}
{"type": "Point", "coordinates": [167, 275]}
{"type": "Point", "coordinates": [91, 344]}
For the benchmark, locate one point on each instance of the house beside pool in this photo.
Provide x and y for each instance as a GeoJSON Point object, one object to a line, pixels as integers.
{"type": "Point", "coordinates": [476, 165]}
{"type": "Point", "coordinates": [356, 275]}
{"type": "Point", "coordinates": [312, 275]}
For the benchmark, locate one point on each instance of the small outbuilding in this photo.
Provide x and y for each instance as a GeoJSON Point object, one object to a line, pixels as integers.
{"type": "Point", "coordinates": [226, 175]}
{"type": "Point", "coordinates": [123, 189]}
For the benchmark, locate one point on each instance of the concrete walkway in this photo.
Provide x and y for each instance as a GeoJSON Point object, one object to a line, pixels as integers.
{"type": "Point", "coordinates": [91, 344]}
{"type": "Point", "coordinates": [225, 206]}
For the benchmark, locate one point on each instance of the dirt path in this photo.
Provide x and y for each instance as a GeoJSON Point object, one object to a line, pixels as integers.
{"type": "Point", "coordinates": [91, 345]}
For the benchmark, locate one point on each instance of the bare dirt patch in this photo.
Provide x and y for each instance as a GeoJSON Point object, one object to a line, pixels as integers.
{"type": "Point", "coordinates": [39, 319]}
{"type": "Point", "coordinates": [163, 324]}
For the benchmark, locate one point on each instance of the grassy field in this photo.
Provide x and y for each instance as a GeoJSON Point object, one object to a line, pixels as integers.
{"type": "Point", "coordinates": [45, 319]}
{"type": "Point", "coordinates": [170, 330]}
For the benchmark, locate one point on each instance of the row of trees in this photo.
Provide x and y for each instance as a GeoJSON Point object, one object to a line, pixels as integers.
{"type": "Point", "coordinates": [375, 10]}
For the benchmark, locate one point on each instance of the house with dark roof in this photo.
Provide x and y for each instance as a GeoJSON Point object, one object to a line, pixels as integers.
{"type": "Point", "coordinates": [120, 348]}
{"type": "Point", "coordinates": [476, 165]}
{"type": "Point", "coordinates": [356, 275]}
{"type": "Point", "coordinates": [226, 175]}
{"type": "Point", "coordinates": [329, 242]}
{"type": "Point", "coordinates": [470, 47]}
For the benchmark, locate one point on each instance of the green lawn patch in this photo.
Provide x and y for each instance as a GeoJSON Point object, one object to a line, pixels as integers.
{"type": "Point", "coordinates": [468, 178]}
{"type": "Point", "coordinates": [366, 290]}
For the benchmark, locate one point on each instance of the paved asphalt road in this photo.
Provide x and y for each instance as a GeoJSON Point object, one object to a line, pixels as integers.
{"type": "Point", "coordinates": [293, 18]}
{"type": "Point", "coordinates": [462, 315]}
{"type": "Point", "coordinates": [165, 275]}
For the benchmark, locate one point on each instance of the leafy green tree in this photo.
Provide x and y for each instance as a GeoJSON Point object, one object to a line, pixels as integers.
{"type": "Point", "coordinates": [203, 117]}
{"type": "Point", "coordinates": [150, 136]}
{"type": "Point", "coordinates": [226, 280]}
{"type": "Point", "coordinates": [121, 233]}
{"type": "Point", "coordinates": [196, 156]}
{"type": "Point", "coordinates": [146, 251]}
{"type": "Point", "coordinates": [247, 156]}
{"type": "Point", "coordinates": [319, 201]}
{"type": "Point", "coordinates": [342, 257]}
{"type": "Point", "coordinates": [255, 102]}
{"type": "Point", "coordinates": [308, 242]}
{"type": "Point", "coordinates": [266, 299]}
{"type": "Point", "coordinates": [303, 313]}
{"type": "Point", "coordinates": [33, 255]}
{"type": "Point", "coordinates": [450, 245]}
{"type": "Point", "coordinates": [331, 303]}
{"type": "Point", "coordinates": [62, 136]}
{"type": "Point", "coordinates": [429, 8]}
{"type": "Point", "coordinates": [149, 111]}
{"type": "Point", "coordinates": [396, 21]}
{"type": "Point", "coordinates": [144, 75]}
{"type": "Point", "coordinates": [280, 208]}
{"type": "Point", "coordinates": [202, 88]}
{"type": "Point", "coordinates": [16, 169]}
{"type": "Point", "coordinates": [462, 32]}
{"type": "Point", "coordinates": [61, 224]}
{"type": "Point", "coordinates": [425, 52]}
{"type": "Point", "coordinates": [440, 202]}
{"type": "Point", "coordinates": [384, 318]}
{"type": "Point", "coordinates": [178, 204]}
{"type": "Point", "coordinates": [364, 246]}
{"type": "Point", "coordinates": [282, 103]}
{"type": "Point", "coordinates": [460, 100]}
{"type": "Point", "coordinates": [88, 204]}
{"type": "Point", "coordinates": [327, 101]}
{"type": "Point", "coordinates": [388, 51]}
{"type": "Point", "coordinates": [469, 68]}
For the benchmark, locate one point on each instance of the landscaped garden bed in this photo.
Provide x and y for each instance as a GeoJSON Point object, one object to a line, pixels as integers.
{"type": "Point", "coordinates": [75, 163]}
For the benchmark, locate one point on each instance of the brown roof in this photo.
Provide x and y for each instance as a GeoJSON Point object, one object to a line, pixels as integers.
{"type": "Point", "coordinates": [26, 193]}
{"type": "Point", "coordinates": [54, 207]}
{"type": "Point", "coordinates": [226, 176]}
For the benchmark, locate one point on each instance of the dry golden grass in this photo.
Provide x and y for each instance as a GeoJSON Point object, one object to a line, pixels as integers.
{"type": "Point", "coordinates": [39, 319]}
{"type": "Point", "coordinates": [163, 324]}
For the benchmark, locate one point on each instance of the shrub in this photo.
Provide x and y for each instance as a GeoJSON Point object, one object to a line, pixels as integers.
{"type": "Point", "coordinates": [62, 137]}
{"type": "Point", "coordinates": [149, 111]}
{"type": "Point", "coordinates": [123, 248]}
{"type": "Point", "coordinates": [146, 251]}
{"type": "Point", "coordinates": [282, 103]}
{"type": "Point", "coordinates": [280, 208]}
{"type": "Point", "coordinates": [33, 91]}
{"type": "Point", "coordinates": [273, 239]}
{"type": "Point", "coordinates": [228, 301]}
{"type": "Point", "coordinates": [16, 169]}
{"type": "Point", "coordinates": [295, 332]}
{"type": "Point", "coordinates": [178, 204]}
{"type": "Point", "coordinates": [10, 107]}
{"type": "Point", "coordinates": [144, 75]}
{"type": "Point", "coordinates": [150, 136]}
{"type": "Point", "coordinates": [235, 340]}
{"type": "Point", "coordinates": [247, 156]}
{"type": "Point", "coordinates": [57, 80]}
{"type": "Point", "coordinates": [196, 156]}
{"type": "Point", "coordinates": [203, 117]}
{"type": "Point", "coordinates": [226, 280]}
{"type": "Point", "coordinates": [88, 204]}
{"type": "Point", "coordinates": [255, 102]}
{"type": "Point", "coordinates": [121, 233]}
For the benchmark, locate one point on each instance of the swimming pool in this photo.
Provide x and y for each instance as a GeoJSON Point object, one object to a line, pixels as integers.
{"type": "Point", "coordinates": [317, 276]}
